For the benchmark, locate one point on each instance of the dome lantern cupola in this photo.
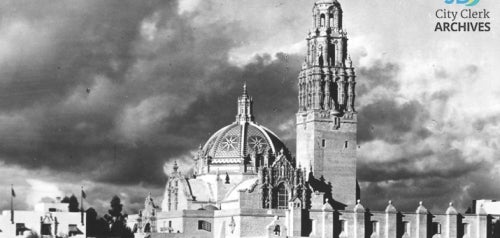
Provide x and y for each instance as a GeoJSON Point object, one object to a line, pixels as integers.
{"type": "Point", "coordinates": [245, 107]}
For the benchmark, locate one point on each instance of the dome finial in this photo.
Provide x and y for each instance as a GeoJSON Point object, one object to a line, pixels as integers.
{"type": "Point", "coordinates": [325, 1]}
{"type": "Point", "coordinates": [245, 88]}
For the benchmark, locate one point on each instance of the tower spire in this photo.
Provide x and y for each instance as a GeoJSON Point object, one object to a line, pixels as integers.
{"type": "Point", "coordinates": [323, 83]}
{"type": "Point", "coordinates": [245, 107]}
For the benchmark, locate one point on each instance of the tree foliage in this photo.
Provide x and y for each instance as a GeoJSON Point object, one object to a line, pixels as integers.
{"type": "Point", "coordinates": [113, 224]}
{"type": "Point", "coordinates": [96, 226]}
{"type": "Point", "coordinates": [117, 220]}
{"type": "Point", "coordinates": [116, 207]}
{"type": "Point", "coordinates": [73, 204]}
{"type": "Point", "coordinates": [65, 199]}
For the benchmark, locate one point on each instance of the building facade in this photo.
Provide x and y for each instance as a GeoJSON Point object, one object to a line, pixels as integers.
{"type": "Point", "coordinates": [48, 219]}
{"type": "Point", "coordinates": [247, 184]}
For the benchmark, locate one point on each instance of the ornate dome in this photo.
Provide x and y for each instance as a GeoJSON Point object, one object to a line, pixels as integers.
{"type": "Point", "coordinates": [241, 138]}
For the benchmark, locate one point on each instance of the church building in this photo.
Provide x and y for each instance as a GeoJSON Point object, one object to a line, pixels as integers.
{"type": "Point", "coordinates": [246, 183]}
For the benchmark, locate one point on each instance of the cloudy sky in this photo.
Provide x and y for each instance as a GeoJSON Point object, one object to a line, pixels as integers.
{"type": "Point", "coordinates": [105, 94]}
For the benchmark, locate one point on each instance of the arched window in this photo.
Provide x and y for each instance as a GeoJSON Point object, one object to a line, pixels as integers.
{"type": "Point", "coordinates": [282, 197]}
{"type": "Point", "coordinates": [322, 20]}
{"type": "Point", "coordinates": [147, 228]}
{"type": "Point", "coordinates": [265, 197]}
{"type": "Point", "coordinates": [277, 231]}
{"type": "Point", "coordinates": [331, 53]}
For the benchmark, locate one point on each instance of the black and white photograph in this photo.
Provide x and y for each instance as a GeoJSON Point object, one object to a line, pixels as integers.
{"type": "Point", "coordinates": [249, 118]}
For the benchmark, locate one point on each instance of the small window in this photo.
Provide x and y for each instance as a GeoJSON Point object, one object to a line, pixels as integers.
{"type": "Point", "coordinates": [436, 228]}
{"type": "Point", "coordinates": [20, 228]}
{"type": "Point", "coordinates": [374, 227]}
{"type": "Point", "coordinates": [170, 229]}
{"type": "Point", "coordinates": [46, 230]}
{"type": "Point", "coordinates": [204, 225]}
{"type": "Point", "coordinates": [277, 231]}
{"type": "Point", "coordinates": [323, 143]}
{"type": "Point", "coordinates": [346, 144]}
{"type": "Point", "coordinates": [406, 227]}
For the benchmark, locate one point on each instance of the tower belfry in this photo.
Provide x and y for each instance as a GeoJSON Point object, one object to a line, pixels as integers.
{"type": "Point", "coordinates": [326, 118]}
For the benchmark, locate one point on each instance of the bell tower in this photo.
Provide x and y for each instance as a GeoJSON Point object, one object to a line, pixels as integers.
{"type": "Point", "coordinates": [326, 119]}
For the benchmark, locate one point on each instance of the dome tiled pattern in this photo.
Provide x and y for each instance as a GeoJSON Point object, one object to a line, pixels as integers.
{"type": "Point", "coordinates": [239, 140]}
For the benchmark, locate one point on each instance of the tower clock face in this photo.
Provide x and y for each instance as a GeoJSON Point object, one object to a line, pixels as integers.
{"type": "Point", "coordinates": [257, 142]}
{"type": "Point", "coordinates": [230, 143]}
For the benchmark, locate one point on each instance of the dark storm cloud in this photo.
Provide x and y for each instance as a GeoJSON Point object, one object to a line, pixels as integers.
{"type": "Point", "coordinates": [269, 82]}
{"type": "Point", "coordinates": [386, 120]}
{"type": "Point", "coordinates": [421, 165]}
{"type": "Point", "coordinates": [114, 103]}
{"type": "Point", "coordinates": [380, 74]}
{"type": "Point", "coordinates": [184, 131]}
{"type": "Point", "coordinates": [76, 41]}
{"type": "Point", "coordinates": [132, 197]}
{"type": "Point", "coordinates": [89, 39]}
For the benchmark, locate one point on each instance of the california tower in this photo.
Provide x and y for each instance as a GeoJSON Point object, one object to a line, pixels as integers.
{"type": "Point", "coordinates": [326, 119]}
